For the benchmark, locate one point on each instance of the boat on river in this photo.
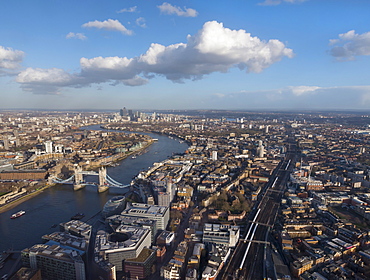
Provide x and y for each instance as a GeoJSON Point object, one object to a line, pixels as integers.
{"type": "Point", "coordinates": [18, 214]}
{"type": "Point", "coordinates": [78, 216]}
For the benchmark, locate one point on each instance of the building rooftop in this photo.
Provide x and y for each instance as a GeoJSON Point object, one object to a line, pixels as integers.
{"type": "Point", "coordinates": [141, 208]}
{"type": "Point", "coordinates": [134, 236]}
{"type": "Point", "coordinates": [142, 257]}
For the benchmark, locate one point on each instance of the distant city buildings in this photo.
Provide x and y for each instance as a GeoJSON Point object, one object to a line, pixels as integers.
{"type": "Point", "coordinates": [324, 210]}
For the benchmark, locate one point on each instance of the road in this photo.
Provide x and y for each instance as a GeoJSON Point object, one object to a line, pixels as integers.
{"type": "Point", "coordinates": [170, 250]}
{"type": "Point", "coordinates": [249, 260]}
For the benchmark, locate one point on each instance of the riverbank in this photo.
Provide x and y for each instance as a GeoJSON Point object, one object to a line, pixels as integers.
{"type": "Point", "coordinates": [24, 198]}
{"type": "Point", "coordinates": [60, 202]}
{"type": "Point", "coordinates": [117, 158]}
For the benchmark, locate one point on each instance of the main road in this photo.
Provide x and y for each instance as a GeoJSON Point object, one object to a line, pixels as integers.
{"type": "Point", "coordinates": [249, 260]}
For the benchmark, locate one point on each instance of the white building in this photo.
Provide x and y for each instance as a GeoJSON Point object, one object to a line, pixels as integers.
{"type": "Point", "coordinates": [59, 148]}
{"type": "Point", "coordinates": [160, 214]}
{"type": "Point", "coordinates": [48, 147]}
{"type": "Point", "coordinates": [221, 234]}
{"type": "Point", "coordinates": [214, 155]}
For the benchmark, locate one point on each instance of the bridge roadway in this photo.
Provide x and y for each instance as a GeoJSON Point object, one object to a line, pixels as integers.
{"type": "Point", "coordinates": [249, 259]}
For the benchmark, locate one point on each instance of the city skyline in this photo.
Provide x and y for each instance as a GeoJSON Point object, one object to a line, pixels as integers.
{"type": "Point", "coordinates": [260, 54]}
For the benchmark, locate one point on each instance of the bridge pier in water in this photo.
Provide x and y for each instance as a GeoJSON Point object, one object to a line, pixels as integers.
{"type": "Point", "coordinates": [78, 179]}
{"type": "Point", "coordinates": [103, 185]}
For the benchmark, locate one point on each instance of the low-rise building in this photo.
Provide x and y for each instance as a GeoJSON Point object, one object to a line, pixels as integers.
{"type": "Point", "coordinates": [221, 234]}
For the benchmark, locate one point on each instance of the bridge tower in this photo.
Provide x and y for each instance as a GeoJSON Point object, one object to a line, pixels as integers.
{"type": "Point", "coordinates": [103, 186]}
{"type": "Point", "coordinates": [78, 178]}
{"type": "Point", "coordinates": [78, 174]}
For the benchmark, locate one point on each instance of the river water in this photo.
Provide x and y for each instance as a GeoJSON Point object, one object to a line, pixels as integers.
{"type": "Point", "coordinates": [59, 203]}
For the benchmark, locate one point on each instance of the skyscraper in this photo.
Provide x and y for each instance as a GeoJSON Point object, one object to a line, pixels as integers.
{"type": "Point", "coordinates": [123, 112]}
{"type": "Point", "coordinates": [260, 149]}
{"type": "Point", "coordinates": [6, 142]}
{"type": "Point", "coordinates": [48, 147]}
{"type": "Point", "coordinates": [214, 155]}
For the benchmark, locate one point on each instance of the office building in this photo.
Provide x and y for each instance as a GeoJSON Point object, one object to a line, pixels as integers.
{"type": "Point", "coordinates": [260, 149]}
{"type": "Point", "coordinates": [55, 262]}
{"type": "Point", "coordinates": [117, 220]}
{"type": "Point", "coordinates": [126, 243]}
{"type": "Point", "coordinates": [140, 267]}
{"type": "Point", "coordinates": [164, 199]}
{"type": "Point", "coordinates": [48, 147]}
{"type": "Point", "coordinates": [6, 142]}
{"type": "Point", "coordinates": [221, 234]}
{"type": "Point", "coordinates": [214, 155]}
{"type": "Point", "coordinates": [160, 214]}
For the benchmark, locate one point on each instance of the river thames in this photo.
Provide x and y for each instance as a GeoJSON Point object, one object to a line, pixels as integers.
{"type": "Point", "coordinates": [59, 203]}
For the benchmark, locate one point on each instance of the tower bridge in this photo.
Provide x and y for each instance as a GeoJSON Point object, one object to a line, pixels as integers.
{"type": "Point", "coordinates": [78, 181]}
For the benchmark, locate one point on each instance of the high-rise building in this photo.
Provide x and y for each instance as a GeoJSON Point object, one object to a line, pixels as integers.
{"type": "Point", "coordinates": [17, 140]}
{"type": "Point", "coordinates": [214, 155]}
{"type": "Point", "coordinates": [164, 199]}
{"type": "Point", "coordinates": [6, 142]}
{"type": "Point", "coordinates": [48, 147]}
{"type": "Point", "coordinates": [123, 112]}
{"type": "Point", "coordinates": [55, 262]}
{"type": "Point", "coordinates": [260, 149]}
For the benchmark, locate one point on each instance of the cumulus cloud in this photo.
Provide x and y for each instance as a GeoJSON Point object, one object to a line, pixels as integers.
{"type": "Point", "coordinates": [141, 22]}
{"type": "Point", "coordinates": [213, 49]}
{"type": "Point", "coordinates": [110, 24]}
{"type": "Point", "coordinates": [350, 44]}
{"type": "Point", "coordinates": [79, 36]}
{"type": "Point", "coordinates": [168, 9]}
{"type": "Point", "coordinates": [10, 60]}
{"type": "Point", "coordinates": [277, 2]}
{"type": "Point", "coordinates": [128, 10]}
{"type": "Point", "coordinates": [46, 81]}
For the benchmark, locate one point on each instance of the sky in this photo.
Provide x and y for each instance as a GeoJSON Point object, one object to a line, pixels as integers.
{"type": "Point", "coordinates": [201, 54]}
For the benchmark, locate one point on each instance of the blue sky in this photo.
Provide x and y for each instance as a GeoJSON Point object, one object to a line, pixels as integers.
{"type": "Point", "coordinates": [246, 54]}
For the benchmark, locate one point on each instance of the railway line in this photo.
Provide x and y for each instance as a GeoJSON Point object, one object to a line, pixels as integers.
{"type": "Point", "coordinates": [249, 261]}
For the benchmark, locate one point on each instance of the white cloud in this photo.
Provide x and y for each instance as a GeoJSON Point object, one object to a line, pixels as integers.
{"type": "Point", "coordinates": [277, 2]}
{"type": "Point", "coordinates": [141, 22]}
{"type": "Point", "coordinates": [128, 10]}
{"type": "Point", "coordinates": [350, 44]}
{"type": "Point", "coordinates": [168, 9]}
{"type": "Point", "coordinates": [10, 60]}
{"type": "Point", "coordinates": [110, 24]}
{"type": "Point", "coordinates": [79, 36]}
{"type": "Point", "coordinates": [298, 97]}
{"type": "Point", "coordinates": [46, 81]}
{"type": "Point", "coordinates": [213, 49]}
{"type": "Point", "coordinates": [301, 90]}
